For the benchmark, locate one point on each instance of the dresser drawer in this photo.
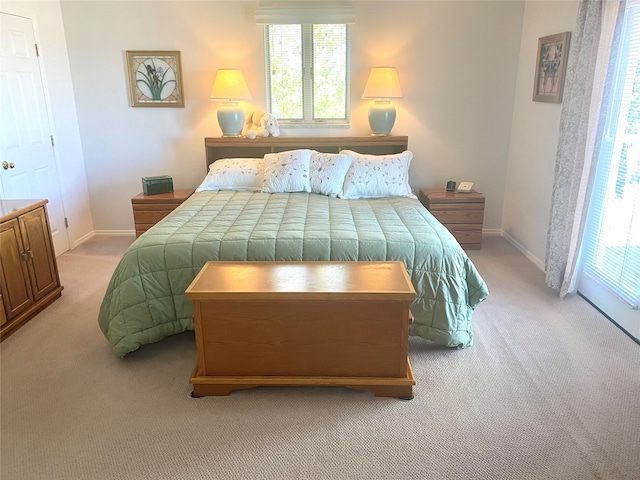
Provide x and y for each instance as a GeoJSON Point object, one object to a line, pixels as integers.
{"type": "Point", "coordinates": [150, 216]}
{"type": "Point", "coordinates": [468, 238]}
{"type": "Point", "coordinates": [459, 213]}
{"type": "Point", "coordinates": [150, 209]}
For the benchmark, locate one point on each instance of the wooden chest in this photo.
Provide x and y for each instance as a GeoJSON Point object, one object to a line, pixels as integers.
{"type": "Point", "coordinates": [302, 323]}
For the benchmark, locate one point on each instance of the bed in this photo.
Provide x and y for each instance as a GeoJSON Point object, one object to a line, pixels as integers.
{"type": "Point", "coordinates": [145, 301]}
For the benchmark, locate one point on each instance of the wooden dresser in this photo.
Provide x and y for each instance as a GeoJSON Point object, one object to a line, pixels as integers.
{"type": "Point", "coordinates": [150, 209]}
{"type": "Point", "coordinates": [30, 279]}
{"type": "Point", "coordinates": [461, 213]}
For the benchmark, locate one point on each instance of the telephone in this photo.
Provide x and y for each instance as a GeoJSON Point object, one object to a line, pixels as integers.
{"type": "Point", "coordinates": [465, 187]}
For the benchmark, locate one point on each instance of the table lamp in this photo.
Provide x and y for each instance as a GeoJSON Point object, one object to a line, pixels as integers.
{"type": "Point", "coordinates": [229, 87]}
{"type": "Point", "coordinates": [382, 85]}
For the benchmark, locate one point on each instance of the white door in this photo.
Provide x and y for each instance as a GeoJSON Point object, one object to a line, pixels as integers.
{"type": "Point", "coordinates": [26, 152]}
{"type": "Point", "coordinates": [610, 257]}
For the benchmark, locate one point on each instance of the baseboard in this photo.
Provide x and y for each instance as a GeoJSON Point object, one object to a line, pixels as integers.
{"type": "Point", "coordinates": [522, 249]}
{"type": "Point", "coordinates": [83, 239]}
{"type": "Point", "coordinates": [115, 233]}
{"type": "Point", "coordinates": [111, 233]}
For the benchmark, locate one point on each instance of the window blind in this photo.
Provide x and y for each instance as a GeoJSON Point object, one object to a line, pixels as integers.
{"type": "Point", "coordinates": [611, 248]}
{"type": "Point", "coordinates": [284, 13]}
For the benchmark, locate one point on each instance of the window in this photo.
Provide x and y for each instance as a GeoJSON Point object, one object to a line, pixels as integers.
{"type": "Point", "coordinates": [307, 73]}
{"type": "Point", "coordinates": [610, 275]}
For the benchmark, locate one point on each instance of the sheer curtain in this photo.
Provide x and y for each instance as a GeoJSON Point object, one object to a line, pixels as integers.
{"type": "Point", "coordinates": [582, 120]}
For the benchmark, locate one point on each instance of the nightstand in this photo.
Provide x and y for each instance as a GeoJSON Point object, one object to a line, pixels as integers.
{"type": "Point", "coordinates": [461, 213]}
{"type": "Point", "coordinates": [150, 209]}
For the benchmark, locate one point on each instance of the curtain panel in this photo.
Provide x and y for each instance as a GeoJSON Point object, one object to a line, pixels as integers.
{"type": "Point", "coordinates": [586, 97]}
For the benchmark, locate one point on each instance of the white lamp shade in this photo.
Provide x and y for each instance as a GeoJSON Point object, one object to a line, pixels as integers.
{"type": "Point", "coordinates": [383, 83]}
{"type": "Point", "coordinates": [230, 85]}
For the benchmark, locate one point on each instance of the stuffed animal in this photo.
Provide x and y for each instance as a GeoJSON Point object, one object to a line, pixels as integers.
{"type": "Point", "coordinates": [261, 124]}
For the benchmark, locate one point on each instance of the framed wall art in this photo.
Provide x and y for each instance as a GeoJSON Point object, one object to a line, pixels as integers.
{"type": "Point", "coordinates": [155, 78]}
{"type": "Point", "coordinates": [551, 66]}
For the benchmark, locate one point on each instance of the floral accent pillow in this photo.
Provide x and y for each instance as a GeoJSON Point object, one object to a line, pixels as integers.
{"type": "Point", "coordinates": [286, 172]}
{"type": "Point", "coordinates": [327, 172]}
{"type": "Point", "coordinates": [375, 176]}
{"type": "Point", "coordinates": [242, 174]}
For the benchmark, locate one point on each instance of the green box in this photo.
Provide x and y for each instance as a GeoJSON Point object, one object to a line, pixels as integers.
{"type": "Point", "coordinates": [156, 185]}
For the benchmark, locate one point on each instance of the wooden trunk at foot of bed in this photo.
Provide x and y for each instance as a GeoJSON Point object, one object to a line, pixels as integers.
{"type": "Point", "coordinates": [288, 323]}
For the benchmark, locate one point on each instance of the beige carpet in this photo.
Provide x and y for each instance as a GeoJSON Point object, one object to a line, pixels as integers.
{"type": "Point", "coordinates": [549, 390]}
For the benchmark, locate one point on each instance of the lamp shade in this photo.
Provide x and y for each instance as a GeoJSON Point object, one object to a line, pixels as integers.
{"type": "Point", "coordinates": [230, 85]}
{"type": "Point", "coordinates": [383, 83]}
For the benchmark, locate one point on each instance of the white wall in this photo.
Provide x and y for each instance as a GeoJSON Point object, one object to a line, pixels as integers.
{"type": "Point", "coordinates": [49, 32]}
{"type": "Point", "coordinates": [466, 70]}
{"type": "Point", "coordinates": [457, 62]}
{"type": "Point", "coordinates": [534, 135]}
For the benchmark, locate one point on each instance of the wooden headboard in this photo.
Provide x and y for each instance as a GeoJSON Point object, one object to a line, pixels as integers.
{"type": "Point", "coordinates": [235, 147]}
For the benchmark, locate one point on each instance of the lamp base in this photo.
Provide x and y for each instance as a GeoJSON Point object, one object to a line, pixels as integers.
{"type": "Point", "coordinates": [231, 119]}
{"type": "Point", "coordinates": [382, 116]}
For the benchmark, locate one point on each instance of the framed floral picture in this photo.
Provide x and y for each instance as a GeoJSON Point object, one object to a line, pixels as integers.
{"type": "Point", "coordinates": [551, 66]}
{"type": "Point", "coordinates": [155, 78]}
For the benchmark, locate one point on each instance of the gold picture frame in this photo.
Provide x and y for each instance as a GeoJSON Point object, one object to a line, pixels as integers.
{"type": "Point", "coordinates": [551, 66]}
{"type": "Point", "coordinates": [155, 78]}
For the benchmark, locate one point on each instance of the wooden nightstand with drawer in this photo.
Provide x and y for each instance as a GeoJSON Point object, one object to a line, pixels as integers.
{"type": "Point", "coordinates": [150, 209]}
{"type": "Point", "coordinates": [461, 213]}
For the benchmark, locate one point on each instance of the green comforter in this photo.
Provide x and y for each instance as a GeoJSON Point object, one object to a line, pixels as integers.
{"type": "Point", "coordinates": [145, 300]}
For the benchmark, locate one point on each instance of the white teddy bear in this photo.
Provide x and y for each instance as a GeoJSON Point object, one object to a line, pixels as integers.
{"type": "Point", "coordinates": [261, 124]}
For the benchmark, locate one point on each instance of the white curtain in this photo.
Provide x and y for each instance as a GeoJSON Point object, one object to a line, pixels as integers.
{"type": "Point", "coordinates": [589, 71]}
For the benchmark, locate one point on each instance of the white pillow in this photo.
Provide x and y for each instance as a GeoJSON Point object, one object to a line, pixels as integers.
{"type": "Point", "coordinates": [242, 174]}
{"type": "Point", "coordinates": [375, 176]}
{"type": "Point", "coordinates": [327, 172]}
{"type": "Point", "coordinates": [286, 172]}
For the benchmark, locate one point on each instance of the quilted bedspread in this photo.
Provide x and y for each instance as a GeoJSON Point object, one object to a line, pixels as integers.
{"type": "Point", "coordinates": [145, 300]}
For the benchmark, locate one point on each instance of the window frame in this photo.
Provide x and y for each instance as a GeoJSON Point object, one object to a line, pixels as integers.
{"type": "Point", "coordinates": [307, 82]}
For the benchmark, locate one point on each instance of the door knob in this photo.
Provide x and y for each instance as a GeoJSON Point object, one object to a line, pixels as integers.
{"type": "Point", "coordinates": [7, 165]}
